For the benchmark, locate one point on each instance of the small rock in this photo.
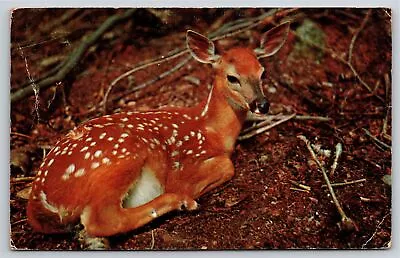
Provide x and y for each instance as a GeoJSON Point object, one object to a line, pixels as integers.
{"type": "Point", "coordinates": [387, 179]}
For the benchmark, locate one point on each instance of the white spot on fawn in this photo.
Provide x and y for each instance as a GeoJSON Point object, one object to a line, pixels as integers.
{"type": "Point", "coordinates": [47, 205]}
{"type": "Point", "coordinates": [93, 144]}
{"type": "Point", "coordinates": [95, 165]}
{"type": "Point", "coordinates": [124, 135]}
{"type": "Point", "coordinates": [106, 161]}
{"type": "Point", "coordinates": [87, 155]}
{"type": "Point", "coordinates": [79, 172]}
{"type": "Point", "coordinates": [97, 153]}
{"type": "Point", "coordinates": [102, 136]}
{"type": "Point", "coordinates": [70, 169]}
{"type": "Point", "coordinates": [176, 165]}
{"type": "Point", "coordinates": [50, 163]}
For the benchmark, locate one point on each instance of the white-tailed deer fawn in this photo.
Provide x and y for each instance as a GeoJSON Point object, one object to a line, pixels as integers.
{"type": "Point", "coordinates": [118, 172]}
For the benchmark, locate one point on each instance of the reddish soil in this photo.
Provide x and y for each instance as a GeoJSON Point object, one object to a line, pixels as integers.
{"type": "Point", "coordinates": [258, 208]}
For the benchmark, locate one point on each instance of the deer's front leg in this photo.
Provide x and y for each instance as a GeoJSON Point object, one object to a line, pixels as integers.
{"type": "Point", "coordinates": [212, 173]}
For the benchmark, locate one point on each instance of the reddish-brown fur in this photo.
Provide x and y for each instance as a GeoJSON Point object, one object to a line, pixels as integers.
{"type": "Point", "coordinates": [87, 175]}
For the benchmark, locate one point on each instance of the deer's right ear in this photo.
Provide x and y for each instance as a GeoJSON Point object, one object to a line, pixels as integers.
{"type": "Point", "coordinates": [201, 48]}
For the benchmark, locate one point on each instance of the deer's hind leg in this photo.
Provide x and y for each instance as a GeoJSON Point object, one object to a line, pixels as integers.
{"type": "Point", "coordinates": [107, 220]}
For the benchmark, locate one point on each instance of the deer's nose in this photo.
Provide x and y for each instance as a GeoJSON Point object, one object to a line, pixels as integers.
{"type": "Point", "coordinates": [263, 106]}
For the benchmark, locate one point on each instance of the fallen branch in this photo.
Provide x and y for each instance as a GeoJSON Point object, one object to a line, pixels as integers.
{"type": "Point", "coordinates": [152, 240]}
{"type": "Point", "coordinates": [354, 38]}
{"type": "Point", "coordinates": [145, 84]}
{"type": "Point", "coordinates": [298, 189]}
{"type": "Point", "coordinates": [376, 230]}
{"type": "Point", "coordinates": [22, 179]}
{"type": "Point", "coordinates": [346, 183]}
{"type": "Point", "coordinates": [74, 58]}
{"type": "Point", "coordinates": [265, 128]}
{"type": "Point", "coordinates": [376, 140]}
{"type": "Point", "coordinates": [305, 187]}
{"type": "Point", "coordinates": [347, 223]}
{"type": "Point", "coordinates": [227, 30]}
{"type": "Point", "coordinates": [338, 152]}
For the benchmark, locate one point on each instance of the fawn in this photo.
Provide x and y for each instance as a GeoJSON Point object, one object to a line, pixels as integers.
{"type": "Point", "coordinates": [118, 172]}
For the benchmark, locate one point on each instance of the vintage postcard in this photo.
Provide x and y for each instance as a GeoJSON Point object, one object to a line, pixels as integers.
{"type": "Point", "coordinates": [200, 128]}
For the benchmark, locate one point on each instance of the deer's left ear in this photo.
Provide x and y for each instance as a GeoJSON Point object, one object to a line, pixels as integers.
{"type": "Point", "coordinates": [273, 40]}
{"type": "Point", "coordinates": [200, 47]}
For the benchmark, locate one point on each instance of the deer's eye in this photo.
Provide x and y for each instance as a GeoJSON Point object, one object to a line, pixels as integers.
{"type": "Point", "coordinates": [232, 79]}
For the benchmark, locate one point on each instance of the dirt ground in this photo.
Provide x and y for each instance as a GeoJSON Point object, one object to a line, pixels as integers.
{"type": "Point", "coordinates": [349, 100]}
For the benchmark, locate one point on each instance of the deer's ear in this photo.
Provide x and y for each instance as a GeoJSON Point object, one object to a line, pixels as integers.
{"type": "Point", "coordinates": [273, 40]}
{"type": "Point", "coordinates": [200, 47]}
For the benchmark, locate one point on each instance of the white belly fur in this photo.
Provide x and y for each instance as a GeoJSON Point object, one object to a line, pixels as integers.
{"type": "Point", "coordinates": [146, 188]}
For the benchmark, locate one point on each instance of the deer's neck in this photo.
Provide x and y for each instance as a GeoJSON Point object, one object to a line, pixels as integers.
{"type": "Point", "coordinates": [222, 115]}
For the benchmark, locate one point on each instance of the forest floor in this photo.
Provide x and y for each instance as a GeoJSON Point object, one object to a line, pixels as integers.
{"type": "Point", "coordinates": [336, 64]}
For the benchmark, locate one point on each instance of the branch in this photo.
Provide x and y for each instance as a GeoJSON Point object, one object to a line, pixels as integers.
{"type": "Point", "coordinates": [74, 58]}
{"type": "Point", "coordinates": [227, 30]}
{"type": "Point", "coordinates": [341, 59]}
{"type": "Point", "coordinates": [347, 223]}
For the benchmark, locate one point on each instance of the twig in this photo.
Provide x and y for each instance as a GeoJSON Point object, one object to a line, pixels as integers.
{"type": "Point", "coordinates": [376, 230]}
{"type": "Point", "coordinates": [152, 240]}
{"type": "Point", "coordinates": [22, 135]}
{"type": "Point", "coordinates": [377, 140]}
{"type": "Point", "coordinates": [259, 117]}
{"type": "Point", "coordinates": [337, 57]}
{"type": "Point", "coordinates": [263, 129]}
{"type": "Point", "coordinates": [338, 152]}
{"type": "Point", "coordinates": [298, 189]}
{"type": "Point", "coordinates": [347, 223]}
{"type": "Point", "coordinates": [74, 58]}
{"type": "Point", "coordinates": [68, 14]}
{"type": "Point", "coordinates": [265, 121]}
{"type": "Point", "coordinates": [229, 30]}
{"type": "Point", "coordinates": [354, 38]}
{"type": "Point", "coordinates": [317, 118]}
{"type": "Point", "coordinates": [19, 221]}
{"type": "Point", "coordinates": [22, 179]}
{"type": "Point", "coordinates": [145, 84]}
{"type": "Point", "coordinates": [387, 94]}
{"type": "Point", "coordinates": [346, 183]}
{"type": "Point", "coordinates": [305, 187]}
